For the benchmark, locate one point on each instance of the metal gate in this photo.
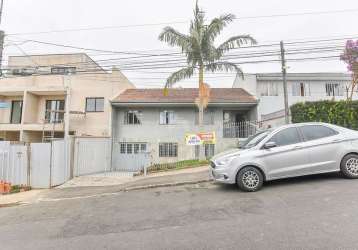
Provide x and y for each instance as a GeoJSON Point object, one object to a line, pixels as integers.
{"type": "Point", "coordinates": [40, 165]}
{"type": "Point", "coordinates": [92, 155]}
{"type": "Point", "coordinates": [49, 164]}
{"type": "Point", "coordinates": [13, 163]}
{"type": "Point", "coordinates": [130, 156]}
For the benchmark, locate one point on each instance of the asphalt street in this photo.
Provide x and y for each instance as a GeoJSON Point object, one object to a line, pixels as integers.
{"type": "Point", "coordinates": [315, 212]}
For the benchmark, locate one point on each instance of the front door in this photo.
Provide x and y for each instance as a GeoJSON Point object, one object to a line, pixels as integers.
{"type": "Point", "coordinates": [288, 158]}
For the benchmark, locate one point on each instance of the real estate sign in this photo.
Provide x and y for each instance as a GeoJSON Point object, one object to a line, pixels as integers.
{"type": "Point", "coordinates": [200, 138]}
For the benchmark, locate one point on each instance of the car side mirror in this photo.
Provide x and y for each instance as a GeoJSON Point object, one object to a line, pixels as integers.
{"type": "Point", "coordinates": [270, 144]}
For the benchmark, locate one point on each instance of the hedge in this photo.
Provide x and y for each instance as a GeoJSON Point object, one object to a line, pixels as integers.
{"type": "Point", "coordinates": [342, 113]}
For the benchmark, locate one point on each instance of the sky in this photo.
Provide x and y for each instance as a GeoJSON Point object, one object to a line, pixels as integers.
{"type": "Point", "coordinates": [135, 32]}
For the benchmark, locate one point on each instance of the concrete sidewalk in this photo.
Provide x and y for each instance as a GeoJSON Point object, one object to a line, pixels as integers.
{"type": "Point", "coordinates": [101, 184]}
{"type": "Point", "coordinates": [170, 178]}
{"type": "Point", "coordinates": [22, 198]}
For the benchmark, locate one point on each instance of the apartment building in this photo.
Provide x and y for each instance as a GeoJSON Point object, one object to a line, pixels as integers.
{"type": "Point", "coordinates": [34, 90]}
{"type": "Point", "coordinates": [302, 87]}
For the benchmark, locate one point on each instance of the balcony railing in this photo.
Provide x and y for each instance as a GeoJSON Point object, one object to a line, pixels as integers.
{"type": "Point", "coordinates": [240, 129]}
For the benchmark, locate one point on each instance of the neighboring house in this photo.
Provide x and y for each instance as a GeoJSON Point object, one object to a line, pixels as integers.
{"type": "Point", "coordinates": [268, 88]}
{"type": "Point", "coordinates": [144, 120]}
{"type": "Point", "coordinates": [33, 94]}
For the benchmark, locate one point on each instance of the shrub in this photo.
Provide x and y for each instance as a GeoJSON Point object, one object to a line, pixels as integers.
{"type": "Point", "coordinates": [342, 113]}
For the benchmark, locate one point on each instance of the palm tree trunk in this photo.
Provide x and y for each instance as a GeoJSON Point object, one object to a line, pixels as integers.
{"type": "Point", "coordinates": [201, 111]}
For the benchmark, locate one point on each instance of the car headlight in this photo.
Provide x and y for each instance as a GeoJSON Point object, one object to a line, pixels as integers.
{"type": "Point", "coordinates": [226, 160]}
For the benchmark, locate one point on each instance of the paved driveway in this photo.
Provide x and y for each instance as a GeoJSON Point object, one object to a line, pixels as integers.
{"type": "Point", "coordinates": [318, 212]}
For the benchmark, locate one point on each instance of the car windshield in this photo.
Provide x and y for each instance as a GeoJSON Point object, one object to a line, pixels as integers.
{"type": "Point", "coordinates": [255, 139]}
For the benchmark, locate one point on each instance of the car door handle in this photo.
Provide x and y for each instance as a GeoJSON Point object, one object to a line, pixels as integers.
{"type": "Point", "coordinates": [337, 140]}
{"type": "Point", "coordinates": [297, 147]}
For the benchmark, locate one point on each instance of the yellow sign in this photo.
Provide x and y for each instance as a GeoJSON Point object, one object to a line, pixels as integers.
{"type": "Point", "coordinates": [208, 137]}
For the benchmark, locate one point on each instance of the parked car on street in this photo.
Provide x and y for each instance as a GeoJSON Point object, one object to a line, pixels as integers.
{"type": "Point", "coordinates": [288, 151]}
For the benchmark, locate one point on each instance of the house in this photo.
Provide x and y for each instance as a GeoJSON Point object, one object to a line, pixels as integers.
{"type": "Point", "coordinates": [34, 89]}
{"type": "Point", "coordinates": [302, 87]}
{"type": "Point", "coordinates": [146, 120]}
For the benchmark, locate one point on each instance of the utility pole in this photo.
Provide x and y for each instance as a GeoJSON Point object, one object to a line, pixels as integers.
{"type": "Point", "coordinates": [284, 78]}
{"type": "Point", "coordinates": [2, 37]}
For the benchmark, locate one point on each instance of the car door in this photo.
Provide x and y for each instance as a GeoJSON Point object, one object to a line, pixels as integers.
{"type": "Point", "coordinates": [324, 146]}
{"type": "Point", "coordinates": [288, 158]}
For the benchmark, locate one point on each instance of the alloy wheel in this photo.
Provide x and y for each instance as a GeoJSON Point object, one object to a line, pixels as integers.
{"type": "Point", "coordinates": [250, 179]}
{"type": "Point", "coordinates": [352, 166]}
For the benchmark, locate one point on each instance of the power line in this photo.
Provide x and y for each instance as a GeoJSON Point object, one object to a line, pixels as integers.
{"type": "Point", "coordinates": [185, 22]}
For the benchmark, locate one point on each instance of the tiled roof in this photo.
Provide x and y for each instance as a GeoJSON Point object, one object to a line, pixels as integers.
{"type": "Point", "coordinates": [184, 95]}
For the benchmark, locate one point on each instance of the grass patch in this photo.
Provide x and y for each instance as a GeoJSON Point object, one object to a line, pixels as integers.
{"type": "Point", "coordinates": [176, 165]}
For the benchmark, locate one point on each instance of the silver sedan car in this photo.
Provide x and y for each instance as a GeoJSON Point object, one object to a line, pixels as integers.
{"type": "Point", "coordinates": [288, 151]}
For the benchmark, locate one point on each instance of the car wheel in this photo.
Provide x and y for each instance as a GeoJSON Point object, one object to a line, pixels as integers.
{"type": "Point", "coordinates": [249, 179]}
{"type": "Point", "coordinates": [349, 166]}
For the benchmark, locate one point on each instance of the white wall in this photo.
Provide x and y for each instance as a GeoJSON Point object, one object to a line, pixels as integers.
{"type": "Point", "coordinates": [270, 104]}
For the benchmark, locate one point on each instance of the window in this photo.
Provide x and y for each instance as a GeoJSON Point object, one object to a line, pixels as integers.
{"type": "Point", "coordinates": [334, 89]}
{"type": "Point", "coordinates": [63, 70]}
{"type": "Point", "coordinates": [136, 148]}
{"type": "Point", "coordinates": [268, 89]}
{"type": "Point", "coordinates": [167, 117]}
{"type": "Point", "coordinates": [314, 132]}
{"type": "Point", "coordinates": [123, 148]}
{"type": "Point", "coordinates": [54, 111]}
{"type": "Point", "coordinates": [301, 89]}
{"type": "Point", "coordinates": [94, 104]}
{"type": "Point", "coordinates": [287, 136]}
{"type": "Point", "coordinates": [132, 148]}
{"type": "Point", "coordinates": [16, 112]}
{"type": "Point", "coordinates": [208, 117]}
{"type": "Point", "coordinates": [168, 149]}
{"type": "Point", "coordinates": [129, 148]}
{"type": "Point", "coordinates": [132, 117]}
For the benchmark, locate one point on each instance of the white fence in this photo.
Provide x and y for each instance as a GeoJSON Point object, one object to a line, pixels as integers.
{"type": "Point", "coordinates": [14, 163]}
{"type": "Point", "coordinates": [45, 165]}
{"type": "Point", "coordinates": [48, 166]}
{"type": "Point", "coordinates": [92, 155]}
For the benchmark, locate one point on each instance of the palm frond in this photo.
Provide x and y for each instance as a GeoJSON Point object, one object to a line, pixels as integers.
{"type": "Point", "coordinates": [217, 25]}
{"type": "Point", "coordinates": [175, 38]}
{"type": "Point", "coordinates": [179, 75]}
{"type": "Point", "coordinates": [235, 42]}
{"type": "Point", "coordinates": [224, 66]}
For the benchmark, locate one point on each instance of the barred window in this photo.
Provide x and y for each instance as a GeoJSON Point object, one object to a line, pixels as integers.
{"type": "Point", "coordinates": [133, 148]}
{"type": "Point", "coordinates": [334, 89]}
{"type": "Point", "coordinates": [168, 149]}
{"type": "Point", "coordinates": [136, 148]}
{"type": "Point", "coordinates": [123, 148]}
{"type": "Point", "coordinates": [132, 117]}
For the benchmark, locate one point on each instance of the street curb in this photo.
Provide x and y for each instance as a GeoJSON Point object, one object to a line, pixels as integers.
{"type": "Point", "coordinates": [151, 186]}
{"type": "Point", "coordinates": [172, 184]}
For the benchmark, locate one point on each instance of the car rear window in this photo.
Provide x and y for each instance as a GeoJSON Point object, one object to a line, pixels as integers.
{"type": "Point", "coordinates": [314, 132]}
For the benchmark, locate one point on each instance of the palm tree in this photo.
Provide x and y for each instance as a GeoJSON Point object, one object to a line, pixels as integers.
{"type": "Point", "coordinates": [201, 53]}
{"type": "Point", "coordinates": [198, 46]}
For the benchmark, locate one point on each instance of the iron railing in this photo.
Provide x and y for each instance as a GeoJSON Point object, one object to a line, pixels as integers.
{"type": "Point", "coordinates": [240, 129]}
